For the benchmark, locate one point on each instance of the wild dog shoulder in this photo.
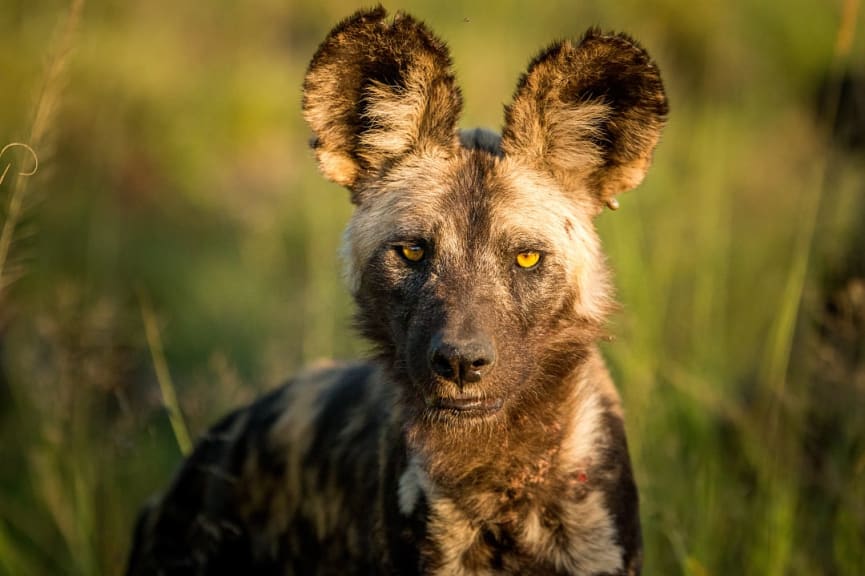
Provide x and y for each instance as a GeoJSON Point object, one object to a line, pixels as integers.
{"type": "Point", "coordinates": [261, 485]}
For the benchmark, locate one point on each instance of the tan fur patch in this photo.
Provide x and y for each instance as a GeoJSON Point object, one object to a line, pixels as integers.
{"type": "Point", "coordinates": [564, 139]}
{"type": "Point", "coordinates": [397, 116]}
{"type": "Point", "coordinates": [295, 430]}
{"type": "Point", "coordinates": [412, 485]}
{"type": "Point", "coordinates": [337, 167]}
{"type": "Point", "coordinates": [407, 204]}
{"type": "Point", "coordinates": [589, 531]}
{"type": "Point", "coordinates": [294, 427]}
{"type": "Point", "coordinates": [626, 176]}
{"type": "Point", "coordinates": [454, 535]}
{"type": "Point", "coordinates": [538, 207]}
{"type": "Point", "coordinates": [593, 395]}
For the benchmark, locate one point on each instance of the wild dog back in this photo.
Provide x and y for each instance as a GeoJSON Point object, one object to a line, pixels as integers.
{"type": "Point", "coordinates": [485, 435]}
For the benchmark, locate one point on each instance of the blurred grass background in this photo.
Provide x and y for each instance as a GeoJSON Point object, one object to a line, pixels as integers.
{"type": "Point", "coordinates": [177, 222]}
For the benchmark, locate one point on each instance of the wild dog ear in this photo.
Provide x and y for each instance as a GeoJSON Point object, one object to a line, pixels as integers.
{"type": "Point", "coordinates": [589, 113]}
{"type": "Point", "coordinates": [376, 90]}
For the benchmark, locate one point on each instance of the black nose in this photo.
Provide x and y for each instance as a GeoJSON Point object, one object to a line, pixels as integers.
{"type": "Point", "coordinates": [463, 362]}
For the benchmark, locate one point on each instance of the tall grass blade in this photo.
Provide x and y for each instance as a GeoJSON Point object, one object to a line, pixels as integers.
{"type": "Point", "coordinates": [163, 376]}
{"type": "Point", "coordinates": [782, 333]}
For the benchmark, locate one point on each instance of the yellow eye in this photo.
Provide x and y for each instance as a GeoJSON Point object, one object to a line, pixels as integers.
{"type": "Point", "coordinates": [528, 259]}
{"type": "Point", "coordinates": [412, 253]}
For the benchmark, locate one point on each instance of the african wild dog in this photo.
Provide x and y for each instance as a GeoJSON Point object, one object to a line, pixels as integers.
{"type": "Point", "coordinates": [486, 435]}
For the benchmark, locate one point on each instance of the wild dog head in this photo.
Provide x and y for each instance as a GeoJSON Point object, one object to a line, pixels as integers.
{"type": "Point", "coordinates": [472, 256]}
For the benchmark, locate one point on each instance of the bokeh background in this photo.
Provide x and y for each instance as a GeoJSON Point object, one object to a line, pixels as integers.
{"type": "Point", "coordinates": [176, 254]}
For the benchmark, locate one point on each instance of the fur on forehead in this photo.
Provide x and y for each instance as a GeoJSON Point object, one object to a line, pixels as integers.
{"type": "Point", "coordinates": [392, 205]}
{"type": "Point", "coordinates": [537, 205]}
{"type": "Point", "coordinates": [528, 204]}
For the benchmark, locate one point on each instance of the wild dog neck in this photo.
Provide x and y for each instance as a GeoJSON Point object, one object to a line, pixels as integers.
{"type": "Point", "coordinates": [555, 489]}
{"type": "Point", "coordinates": [546, 447]}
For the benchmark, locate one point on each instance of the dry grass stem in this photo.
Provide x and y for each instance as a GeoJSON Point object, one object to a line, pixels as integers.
{"type": "Point", "coordinates": [45, 110]}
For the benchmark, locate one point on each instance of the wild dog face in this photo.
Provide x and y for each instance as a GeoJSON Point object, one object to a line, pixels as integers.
{"type": "Point", "coordinates": [473, 259]}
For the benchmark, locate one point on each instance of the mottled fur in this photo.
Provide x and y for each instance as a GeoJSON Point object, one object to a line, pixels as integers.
{"type": "Point", "coordinates": [486, 435]}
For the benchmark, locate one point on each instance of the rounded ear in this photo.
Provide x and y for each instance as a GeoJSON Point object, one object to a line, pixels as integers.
{"type": "Point", "coordinates": [589, 113]}
{"type": "Point", "coordinates": [376, 90]}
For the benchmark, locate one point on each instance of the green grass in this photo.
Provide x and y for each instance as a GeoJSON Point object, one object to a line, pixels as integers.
{"type": "Point", "coordinates": [173, 164]}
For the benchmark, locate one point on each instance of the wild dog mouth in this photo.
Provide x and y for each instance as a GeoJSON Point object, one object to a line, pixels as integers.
{"type": "Point", "coordinates": [472, 405]}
